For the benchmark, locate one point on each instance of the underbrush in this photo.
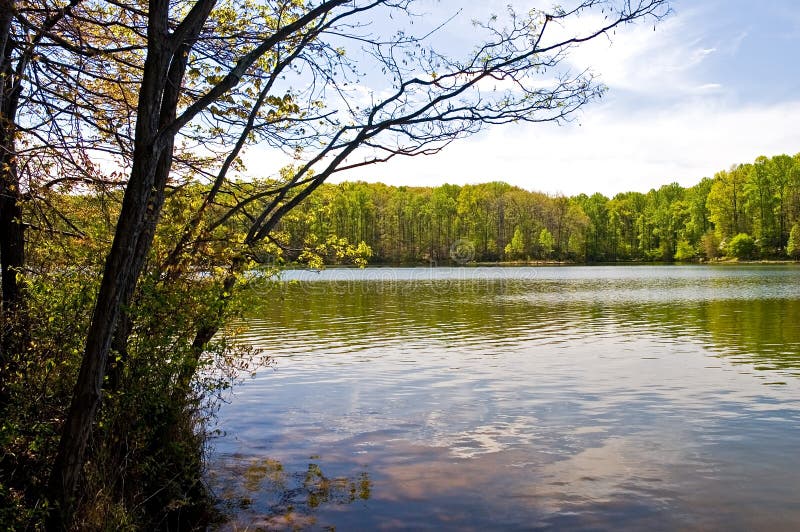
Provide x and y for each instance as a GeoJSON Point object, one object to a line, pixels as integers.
{"type": "Point", "coordinates": [146, 454]}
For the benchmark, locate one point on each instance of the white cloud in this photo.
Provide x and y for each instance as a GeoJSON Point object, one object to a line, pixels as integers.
{"type": "Point", "coordinates": [708, 87]}
{"type": "Point", "coordinates": [609, 151]}
{"type": "Point", "coordinates": [666, 119]}
{"type": "Point", "coordinates": [660, 62]}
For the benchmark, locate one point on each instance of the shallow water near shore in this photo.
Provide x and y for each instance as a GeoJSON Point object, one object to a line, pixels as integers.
{"type": "Point", "coordinates": [518, 397]}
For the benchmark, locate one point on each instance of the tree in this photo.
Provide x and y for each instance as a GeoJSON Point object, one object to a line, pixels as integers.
{"type": "Point", "coordinates": [762, 200]}
{"type": "Point", "coordinates": [780, 168]}
{"type": "Point", "coordinates": [684, 251]}
{"type": "Point", "coordinates": [742, 246]}
{"type": "Point", "coordinates": [710, 243]}
{"type": "Point", "coordinates": [793, 246]}
{"type": "Point", "coordinates": [516, 248]}
{"type": "Point", "coordinates": [698, 223]}
{"type": "Point", "coordinates": [725, 201]}
{"type": "Point", "coordinates": [596, 208]}
{"type": "Point", "coordinates": [668, 223]}
{"type": "Point", "coordinates": [546, 241]}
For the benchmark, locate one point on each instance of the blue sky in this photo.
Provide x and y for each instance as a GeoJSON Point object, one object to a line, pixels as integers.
{"type": "Point", "coordinates": [717, 83]}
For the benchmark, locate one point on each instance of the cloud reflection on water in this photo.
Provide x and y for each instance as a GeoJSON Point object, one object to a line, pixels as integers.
{"type": "Point", "coordinates": [637, 401]}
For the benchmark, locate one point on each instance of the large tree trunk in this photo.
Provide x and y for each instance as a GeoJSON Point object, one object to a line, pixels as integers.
{"type": "Point", "coordinates": [162, 80]}
{"type": "Point", "coordinates": [140, 204]}
{"type": "Point", "coordinates": [124, 327]}
{"type": "Point", "coordinates": [12, 230]}
{"type": "Point", "coordinates": [12, 260]}
{"type": "Point", "coordinates": [12, 243]}
{"type": "Point", "coordinates": [13, 329]}
{"type": "Point", "coordinates": [12, 249]}
{"type": "Point", "coordinates": [119, 275]}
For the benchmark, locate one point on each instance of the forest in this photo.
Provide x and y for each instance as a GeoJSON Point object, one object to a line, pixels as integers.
{"type": "Point", "coordinates": [751, 211]}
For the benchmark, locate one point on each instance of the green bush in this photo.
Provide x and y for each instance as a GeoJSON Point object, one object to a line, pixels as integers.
{"type": "Point", "coordinates": [742, 246]}
{"type": "Point", "coordinates": [793, 246]}
{"type": "Point", "coordinates": [685, 251]}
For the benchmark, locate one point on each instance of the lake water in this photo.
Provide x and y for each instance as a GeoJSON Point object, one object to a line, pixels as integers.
{"type": "Point", "coordinates": [606, 397]}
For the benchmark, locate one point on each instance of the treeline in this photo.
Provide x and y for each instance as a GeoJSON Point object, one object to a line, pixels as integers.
{"type": "Point", "coordinates": [749, 211]}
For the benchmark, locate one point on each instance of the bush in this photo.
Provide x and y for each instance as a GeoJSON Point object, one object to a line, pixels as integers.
{"type": "Point", "coordinates": [742, 246]}
{"type": "Point", "coordinates": [793, 246]}
{"type": "Point", "coordinates": [146, 448]}
{"type": "Point", "coordinates": [685, 251]}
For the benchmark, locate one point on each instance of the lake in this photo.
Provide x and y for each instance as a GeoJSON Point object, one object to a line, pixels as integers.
{"type": "Point", "coordinates": [516, 398]}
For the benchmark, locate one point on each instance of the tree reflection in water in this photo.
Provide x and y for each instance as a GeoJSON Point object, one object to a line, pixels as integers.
{"type": "Point", "coordinates": [270, 496]}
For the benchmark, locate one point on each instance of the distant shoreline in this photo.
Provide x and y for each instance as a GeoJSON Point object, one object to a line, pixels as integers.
{"type": "Point", "coordinates": [483, 264]}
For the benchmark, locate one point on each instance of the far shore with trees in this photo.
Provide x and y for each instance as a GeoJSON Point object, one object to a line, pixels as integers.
{"type": "Point", "coordinates": [750, 212]}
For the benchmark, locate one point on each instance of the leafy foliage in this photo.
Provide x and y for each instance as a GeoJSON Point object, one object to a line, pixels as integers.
{"type": "Point", "coordinates": [685, 251]}
{"type": "Point", "coordinates": [742, 246]}
{"type": "Point", "coordinates": [516, 248]}
{"type": "Point", "coordinates": [546, 241]}
{"type": "Point", "coordinates": [793, 247]}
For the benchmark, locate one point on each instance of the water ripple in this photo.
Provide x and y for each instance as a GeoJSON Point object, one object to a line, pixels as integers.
{"type": "Point", "coordinates": [658, 397]}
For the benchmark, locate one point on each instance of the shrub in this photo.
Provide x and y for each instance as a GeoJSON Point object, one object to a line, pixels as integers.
{"type": "Point", "coordinates": [793, 246]}
{"type": "Point", "coordinates": [742, 246]}
{"type": "Point", "coordinates": [685, 251]}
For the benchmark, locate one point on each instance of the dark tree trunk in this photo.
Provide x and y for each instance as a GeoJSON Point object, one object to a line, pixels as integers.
{"type": "Point", "coordinates": [156, 127]}
{"type": "Point", "coordinates": [12, 230]}
{"type": "Point", "coordinates": [12, 249]}
{"type": "Point", "coordinates": [124, 328]}
{"type": "Point", "coordinates": [118, 277]}
{"type": "Point", "coordinates": [13, 329]}
{"type": "Point", "coordinates": [141, 207]}
{"type": "Point", "coordinates": [12, 241]}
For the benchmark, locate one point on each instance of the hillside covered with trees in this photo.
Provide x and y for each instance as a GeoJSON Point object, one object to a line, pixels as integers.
{"type": "Point", "coordinates": [750, 211]}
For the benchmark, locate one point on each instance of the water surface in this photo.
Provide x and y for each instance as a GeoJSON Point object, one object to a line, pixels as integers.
{"type": "Point", "coordinates": [516, 398]}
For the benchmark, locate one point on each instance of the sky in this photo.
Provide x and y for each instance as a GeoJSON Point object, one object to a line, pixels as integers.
{"type": "Point", "coordinates": [715, 84]}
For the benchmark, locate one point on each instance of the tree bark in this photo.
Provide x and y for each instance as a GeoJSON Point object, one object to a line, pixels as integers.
{"type": "Point", "coordinates": [12, 249]}
{"type": "Point", "coordinates": [12, 259]}
{"type": "Point", "coordinates": [118, 275]}
{"type": "Point", "coordinates": [12, 240]}
{"type": "Point", "coordinates": [12, 230]}
{"type": "Point", "coordinates": [124, 326]}
{"type": "Point", "coordinates": [141, 206]}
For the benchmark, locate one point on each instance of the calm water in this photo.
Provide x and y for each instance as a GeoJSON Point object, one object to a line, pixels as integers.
{"type": "Point", "coordinates": [516, 398]}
